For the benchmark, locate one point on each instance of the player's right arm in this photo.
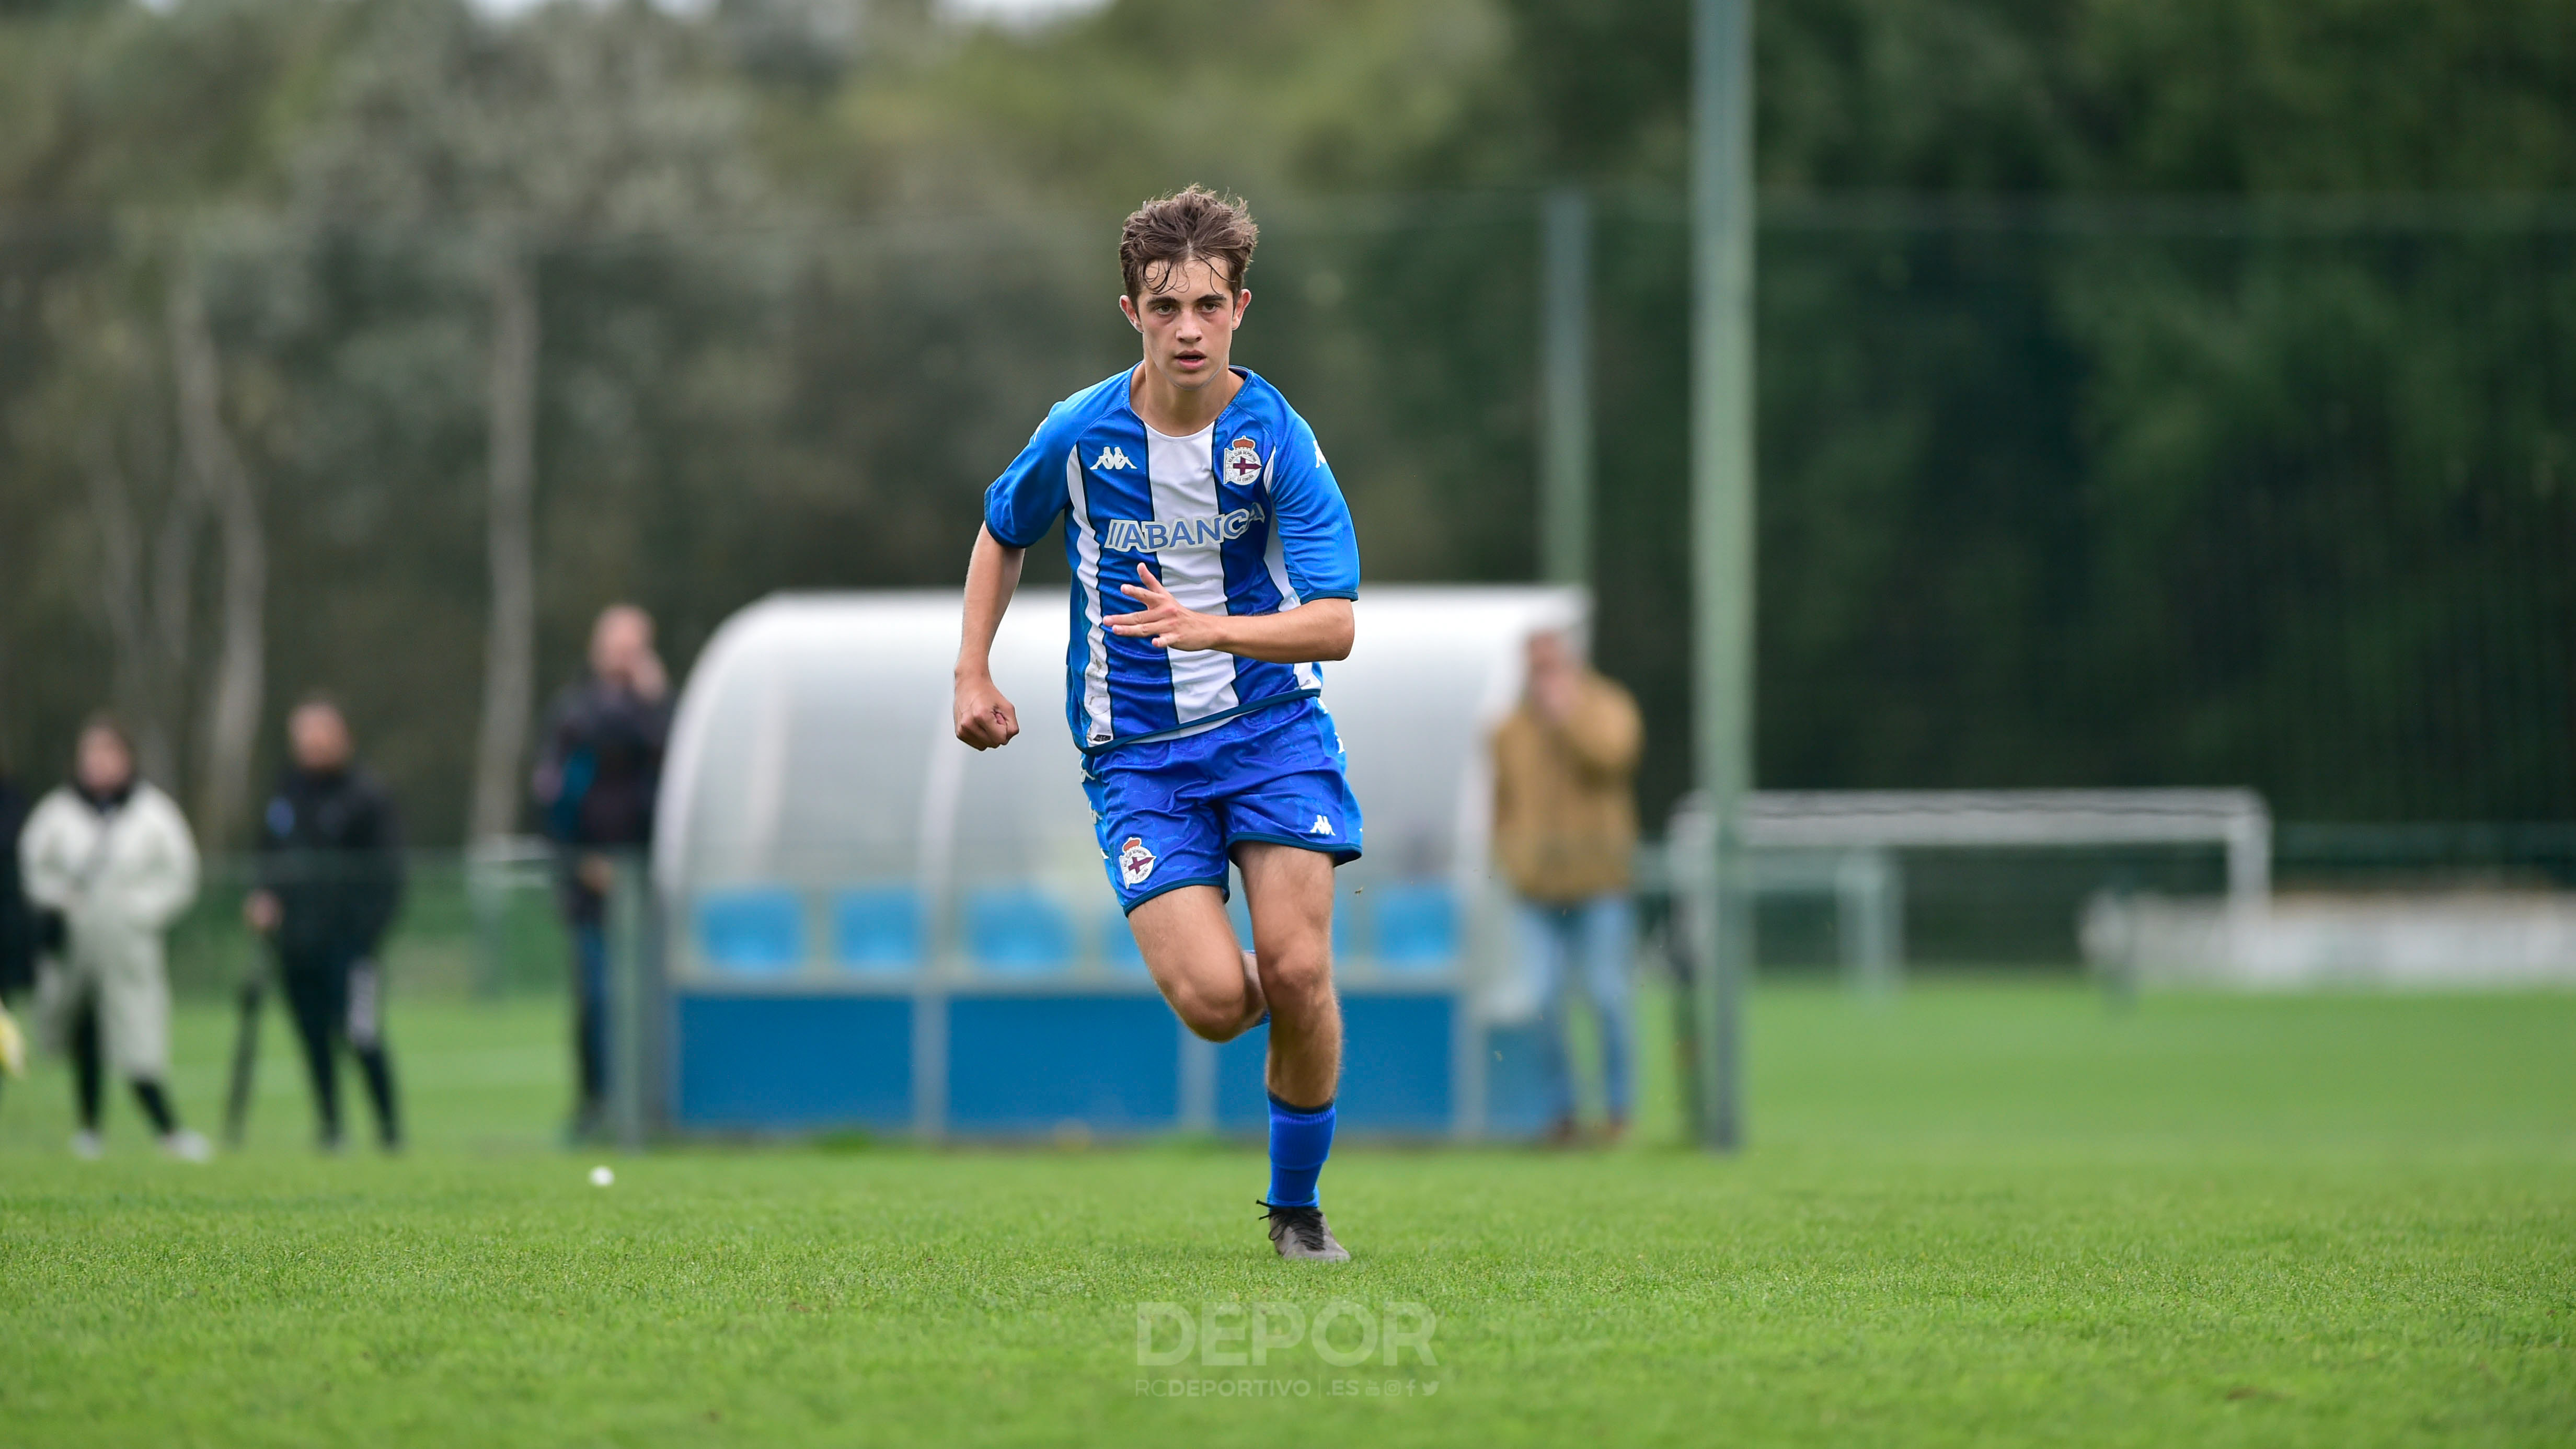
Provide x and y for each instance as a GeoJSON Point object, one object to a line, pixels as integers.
{"type": "Point", "coordinates": [984, 717]}
{"type": "Point", "coordinates": [1019, 508]}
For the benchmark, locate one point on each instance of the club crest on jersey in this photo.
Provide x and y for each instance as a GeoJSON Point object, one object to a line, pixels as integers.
{"type": "Point", "coordinates": [1242, 462]}
{"type": "Point", "coordinates": [1135, 862]}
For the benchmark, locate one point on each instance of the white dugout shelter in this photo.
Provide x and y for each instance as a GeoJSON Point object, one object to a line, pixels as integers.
{"type": "Point", "coordinates": [870, 924]}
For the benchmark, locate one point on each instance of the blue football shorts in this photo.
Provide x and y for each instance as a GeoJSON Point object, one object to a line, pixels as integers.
{"type": "Point", "coordinates": [1168, 812]}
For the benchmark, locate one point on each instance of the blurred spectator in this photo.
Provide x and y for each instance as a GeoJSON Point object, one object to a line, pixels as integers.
{"type": "Point", "coordinates": [599, 769]}
{"type": "Point", "coordinates": [1565, 826]}
{"type": "Point", "coordinates": [17, 926]}
{"type": "Point", "coordinates": [112, 854]}
{"type": "Point", "coordinates": [330, 878]}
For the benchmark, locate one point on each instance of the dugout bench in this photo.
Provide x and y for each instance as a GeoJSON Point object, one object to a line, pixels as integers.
{"type": "Point", "coordinates": [779, 1011]}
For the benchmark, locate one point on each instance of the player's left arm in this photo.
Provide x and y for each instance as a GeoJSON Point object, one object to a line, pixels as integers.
{"type": "Point", "coordinates": [1311, 633]}
{"type": "Point", "coordinates": [1319, 550]}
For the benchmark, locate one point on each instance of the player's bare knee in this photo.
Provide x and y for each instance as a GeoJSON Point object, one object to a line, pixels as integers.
{"type": "Point", "coordinates": [1298, 976]}
{"type": "Point", "coordinates": [1208, 1018]}
{"type": "Point", "coordinates": [1211, 1013]}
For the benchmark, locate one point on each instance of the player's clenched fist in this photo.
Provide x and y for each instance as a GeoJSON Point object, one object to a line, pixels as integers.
{"type": "Point", "coordinates": [984, 718]}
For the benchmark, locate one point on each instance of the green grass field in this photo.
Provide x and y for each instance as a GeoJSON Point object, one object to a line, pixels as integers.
{"type": "Point", "coordinates": [1986, 1214]}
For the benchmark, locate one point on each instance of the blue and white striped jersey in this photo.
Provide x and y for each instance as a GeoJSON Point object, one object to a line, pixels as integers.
{"type": "Point", "coordinates": [1243, 518]}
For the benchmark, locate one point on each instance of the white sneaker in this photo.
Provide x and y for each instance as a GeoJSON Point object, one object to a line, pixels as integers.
{"type": "Point", "coordinates": [188, 1146]}
{"type": "Point", "coordinates": [87, 1147]}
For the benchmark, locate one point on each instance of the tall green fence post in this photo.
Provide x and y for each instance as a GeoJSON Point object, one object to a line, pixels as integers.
{"type": "Point", "coordinates": [1722, 527]}
{"type": "Point", "coordinates": [1565, 388]}
{"type": "Point", "coordinates": [635, 1002]}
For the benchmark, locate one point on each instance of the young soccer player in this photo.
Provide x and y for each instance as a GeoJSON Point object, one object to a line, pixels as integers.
{"type": "Point", "coordinates": [1214, 567]}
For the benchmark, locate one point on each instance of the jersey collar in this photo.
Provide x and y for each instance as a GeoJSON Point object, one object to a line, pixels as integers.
{"type": "Point", "coordinates": [1127, 397]}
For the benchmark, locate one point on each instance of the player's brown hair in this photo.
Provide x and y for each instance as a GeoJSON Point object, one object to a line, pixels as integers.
{"type": "Point", "coordinates": [1192, 222]}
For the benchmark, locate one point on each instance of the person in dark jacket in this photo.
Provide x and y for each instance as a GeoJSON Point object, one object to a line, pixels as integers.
{"type": "Point", "coordinates": [598, 772]}
{"type": "Point", "coordinates": [330, 880]}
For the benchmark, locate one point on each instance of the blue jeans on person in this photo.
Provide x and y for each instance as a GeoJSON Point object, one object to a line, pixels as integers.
{"type": "Point", "coordinates": [590, 1015]}
{"type": "Point", "coordinates": [1587, 941]}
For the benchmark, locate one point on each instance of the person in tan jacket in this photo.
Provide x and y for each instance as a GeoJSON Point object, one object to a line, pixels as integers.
{"type": "Point", "coordinates": [1565, 827]}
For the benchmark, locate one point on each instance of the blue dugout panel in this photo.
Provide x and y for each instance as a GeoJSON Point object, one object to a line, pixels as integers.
{"type": "Point", "coordinates": [784, 1063]}
{"type": "Point", "coordinates": [1023, 1065]}
{"type": "Point", "coordinates": [1111, 1059]}
{"type": "Point", "coordinates": [826, 1010]}
{"type": "Point", "coordinates": [1398, 1069]}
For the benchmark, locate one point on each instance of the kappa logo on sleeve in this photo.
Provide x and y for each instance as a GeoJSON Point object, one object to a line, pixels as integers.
{"type": "Point", "coordinates": [1135, 862]}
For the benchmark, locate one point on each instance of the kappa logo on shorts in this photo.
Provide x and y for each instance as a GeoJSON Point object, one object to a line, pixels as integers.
{"type": "Point", "coordinates": [1135, 862]}
{"type": "Point", "coordinates": [1321, 826]}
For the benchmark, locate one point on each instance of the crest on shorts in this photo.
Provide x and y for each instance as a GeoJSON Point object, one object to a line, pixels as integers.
{"type": "Point", "coordinates": [1135, 862]}
{"type": "Point", "coordinates": [1242, 462]}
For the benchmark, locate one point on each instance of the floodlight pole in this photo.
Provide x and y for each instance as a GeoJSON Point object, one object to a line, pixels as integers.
{"type": "Point", "coordinates": [1565, 388]}
{"type": "Point", "coordinates": [1721, 203]}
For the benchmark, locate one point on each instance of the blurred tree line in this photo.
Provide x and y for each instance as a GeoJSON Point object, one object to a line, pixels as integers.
{"type": "Point", "coordinates": [2153, 391]}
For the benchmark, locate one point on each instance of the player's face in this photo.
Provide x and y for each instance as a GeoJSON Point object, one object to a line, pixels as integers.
{"type": "Point", "coordinates": [1188, 322]}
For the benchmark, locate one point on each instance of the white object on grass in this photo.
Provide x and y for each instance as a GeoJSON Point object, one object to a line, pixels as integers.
{"type": "Point", "coordinates": [2426, 939]}
{"type": "Point", "coordinates": [601, 1176]}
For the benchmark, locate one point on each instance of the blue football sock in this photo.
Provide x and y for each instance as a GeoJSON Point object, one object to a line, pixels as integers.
{"type": "Point", "coordinates": [1300, 1139]}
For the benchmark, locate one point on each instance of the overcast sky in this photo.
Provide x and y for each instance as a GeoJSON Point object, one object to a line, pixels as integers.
{"type": "Point", "coordinates": [1018, 12]}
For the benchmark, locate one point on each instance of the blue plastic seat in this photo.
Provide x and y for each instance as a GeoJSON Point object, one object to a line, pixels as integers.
{"type": "Point", "coordinates": [1018, 931]}
{"type": "Point", "coordinates": [758, 931]}
{"type": "Point", "coordinates": [1417, 927]}
{"type": "Point", "coordinates": [877, 928]}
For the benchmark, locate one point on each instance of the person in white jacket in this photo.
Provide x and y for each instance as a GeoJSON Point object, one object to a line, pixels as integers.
{"type": "Point", "coordinates": [113, 857]}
